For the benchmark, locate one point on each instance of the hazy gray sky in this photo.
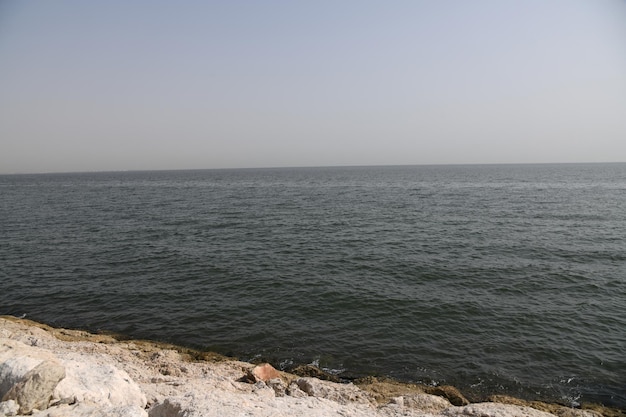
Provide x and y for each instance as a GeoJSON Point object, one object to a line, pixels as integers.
{"type": "Point", "coordinates": [115, 85]}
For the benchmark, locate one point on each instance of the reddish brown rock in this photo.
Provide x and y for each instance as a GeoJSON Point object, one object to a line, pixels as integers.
{"type": "Point", "coordinates": [263, 372]}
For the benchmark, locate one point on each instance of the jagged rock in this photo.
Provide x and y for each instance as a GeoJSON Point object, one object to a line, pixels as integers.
{"type": "Point", "coordinates": [341, 393]}
{"type": "Point", "coordinates": [495, 410]}
{"type": "Point", "coordinates": [262, 389]}
{"type": "Point", "coordinates": [97, 383]}
{"type": "Point", "coordinates": [35, 389]}
{"type": "Point", "coordinates": [293, 390]}
{"type": "Point", "coordinates": [278, 386]}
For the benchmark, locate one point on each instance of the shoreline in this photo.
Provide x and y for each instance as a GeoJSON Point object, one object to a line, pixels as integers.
{"type": "Point", "coordinates": [172, 377]}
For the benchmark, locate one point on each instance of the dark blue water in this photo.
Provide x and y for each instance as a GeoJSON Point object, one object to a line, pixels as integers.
{"type": "Point", "coordinates": [496, 279]}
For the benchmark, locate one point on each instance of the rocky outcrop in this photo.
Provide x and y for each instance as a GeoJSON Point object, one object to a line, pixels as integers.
{"type": "Point", "coordinates": [43, 376]}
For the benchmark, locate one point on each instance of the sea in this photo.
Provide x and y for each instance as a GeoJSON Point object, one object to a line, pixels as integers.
{"type": "Point", "coordinates": [497, 279]}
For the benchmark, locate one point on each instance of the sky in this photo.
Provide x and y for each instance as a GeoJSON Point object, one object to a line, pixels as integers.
{"type": "Point", "coordinates": [142, 85]}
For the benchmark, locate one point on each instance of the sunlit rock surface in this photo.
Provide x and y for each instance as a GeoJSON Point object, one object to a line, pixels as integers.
{"type": "Point", "coordinates": [50, 372]}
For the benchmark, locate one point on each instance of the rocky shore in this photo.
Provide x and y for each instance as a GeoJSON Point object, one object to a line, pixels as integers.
{"type": "Point", "coordinates": [69, 373]}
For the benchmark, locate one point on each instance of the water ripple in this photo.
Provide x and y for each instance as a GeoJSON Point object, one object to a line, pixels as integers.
{"type": "Point", "coordinates": [498, 279]}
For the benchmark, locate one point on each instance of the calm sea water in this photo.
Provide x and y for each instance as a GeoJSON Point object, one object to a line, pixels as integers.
{"type": "Point", "coordinates": [496, 279]}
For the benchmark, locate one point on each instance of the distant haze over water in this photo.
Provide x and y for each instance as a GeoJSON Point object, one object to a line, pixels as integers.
{"type": "Point", "coordinates": [494, 278]}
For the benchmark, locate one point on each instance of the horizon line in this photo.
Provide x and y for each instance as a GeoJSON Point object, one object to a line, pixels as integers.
{"type": "Point", "coordinates": [307, 167]}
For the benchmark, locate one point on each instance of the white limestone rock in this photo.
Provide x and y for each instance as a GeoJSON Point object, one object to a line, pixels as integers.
{"type": "Point", "coordinates": [9, 408]}
{"type": "Point", "coordinates": [28, 375]}
{"type": "Point", "coordinates": [35, 389]}
{"type": "Point", "coordinates": [98, 383]}
{"type": "Point", "coordinates": [90, 410]}
{"type": "Point", "coordinates": [425, 402]}
{"type": "Point", "coordinates": [495, 410]}
{"type": "Point", "coordinates": [13, 370]}
{"type": "Point", "coordinates": [16, 360]}
{"type": "Point", "coordinates": [341, 393]}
